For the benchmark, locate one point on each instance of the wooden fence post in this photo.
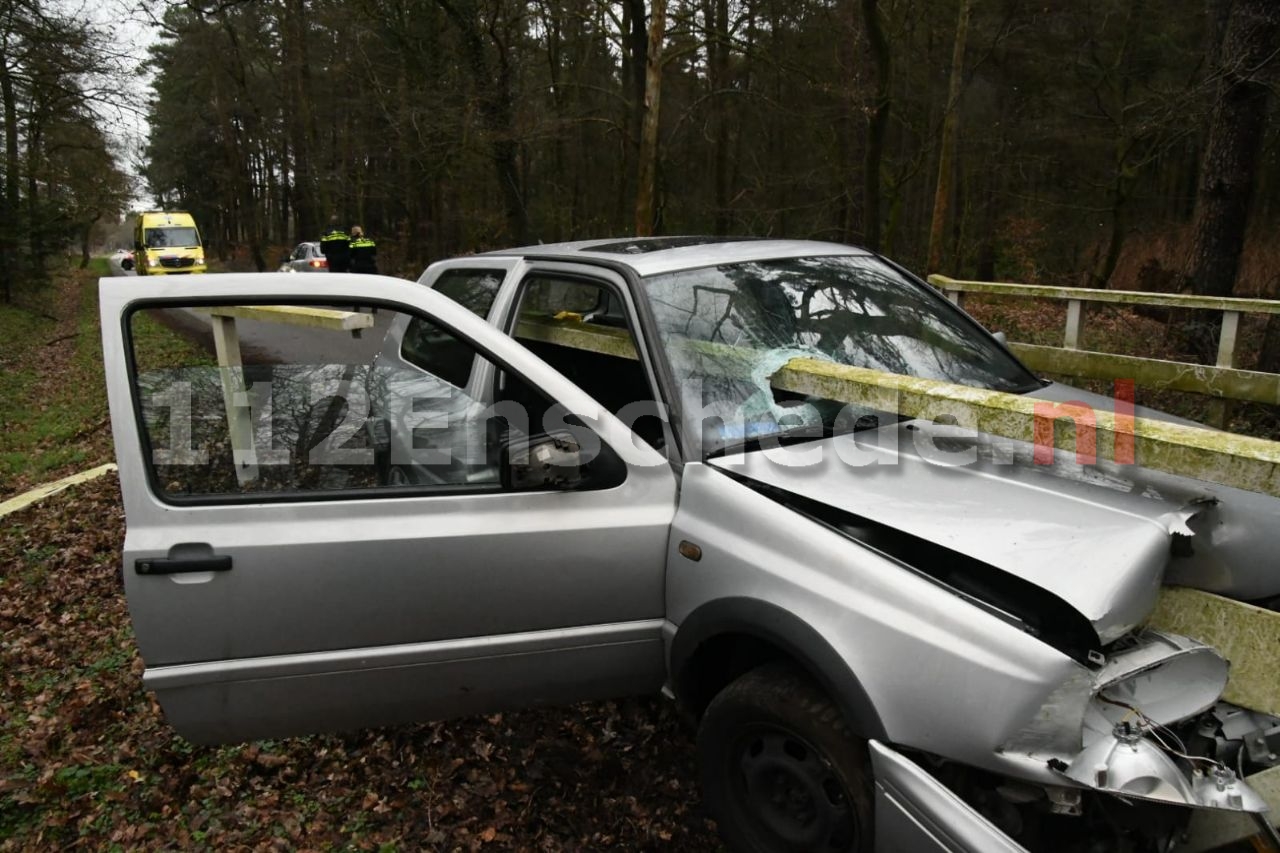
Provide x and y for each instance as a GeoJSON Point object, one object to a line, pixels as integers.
{"type": "Point", "coordinates": [226, 344]}
{"type": "Point", "coordinates": [1219, 411]}
{"type": "Point", "coordinates": [235, 392]}
{"type": "Point", "coordinates": [1227, 340]}
{"type": "Point", "coordinates": [1075, 320]}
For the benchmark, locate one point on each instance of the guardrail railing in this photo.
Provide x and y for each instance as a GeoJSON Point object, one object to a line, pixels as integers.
{"type": "Point", "coordinates": [1252, 464]}
{"type": "Point", "coordinates": [1222, 380]}
{"type": "Point", "coordinates": [1247, 463]}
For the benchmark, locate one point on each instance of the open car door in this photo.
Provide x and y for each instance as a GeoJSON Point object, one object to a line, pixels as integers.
{"type": "Point", "coordinates": [280, 583]}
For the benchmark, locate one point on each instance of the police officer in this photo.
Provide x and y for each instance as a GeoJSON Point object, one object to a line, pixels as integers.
{"type": "Point", "coordinates": [364, 252]}
{"type": "Point", "coordinates": [336, 246]}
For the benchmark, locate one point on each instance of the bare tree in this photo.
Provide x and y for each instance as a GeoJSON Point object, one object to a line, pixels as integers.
{"type": "Point", "coordinates": [944, 188]}
{"type": "Point", "coordinates": [647, 167]}
{"type": "Point", "coordinates": [878, 124]}
{"type": "Point", "coordinates": [1229, 167]}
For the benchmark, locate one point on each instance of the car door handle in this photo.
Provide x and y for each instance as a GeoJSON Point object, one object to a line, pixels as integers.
{"type": "Point", "coordinates": [181, 565]}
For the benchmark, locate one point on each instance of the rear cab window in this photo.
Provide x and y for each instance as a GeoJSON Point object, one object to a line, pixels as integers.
{"type": "Point", "coordinates": [446, 356]}
{"type": "Point", "coordinates": [474, 289]}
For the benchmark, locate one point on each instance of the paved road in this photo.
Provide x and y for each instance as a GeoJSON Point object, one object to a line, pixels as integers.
{"type": "Point", "coordinates": [277, 343]}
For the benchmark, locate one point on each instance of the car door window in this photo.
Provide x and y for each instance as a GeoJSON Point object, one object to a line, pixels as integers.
{"type": "Point", "coordinates": [434, 350]}
{"type": "Point", "coordinates": [474, 289]}
{"type": "Point", "coordinates": [581, 327]}
{"type": "Point", "coordinates": [425, 347]}
{"type": "Point", "coordinates": [300, 253]}
{"type": "Point", "coordinates": [240, 401]}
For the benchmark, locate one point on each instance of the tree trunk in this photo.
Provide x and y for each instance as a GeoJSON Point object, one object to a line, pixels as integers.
{"type": "Point", "coordinates": [716, 14]}
{"type": "Point", "coordinates": [496, 97]}
{"type": "Point", "coordinates": [8, 237]}
{"type": "Point", "coordinates": [86, 234]}
{"type": "Point", "coordinates": [1110, 255]}
{"type": "Point", "coordinates": [635, 39]}
{"type": "Point", "coordinates": [947, 145]}
{"type": "Point", "coordinates": [1229, 167]}
{"type": "Point", "coordinates": [35, 226]}
{"type": "Point", "coordinates": [300, 118]}
{"type": "Point", "coordinates": [1230, 164]}
{"type": "Point", "coordinates": [1270, 358]}
{"type": "Point", "coordinates": [647, 167]}
{"type": "Point", "coordinates": [877, 126]}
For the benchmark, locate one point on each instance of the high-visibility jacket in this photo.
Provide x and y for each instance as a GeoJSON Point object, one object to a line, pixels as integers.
{"type": "Point", "coordinates": [336, 246]}
{"type": "Point", "coordinates": [364, 255]}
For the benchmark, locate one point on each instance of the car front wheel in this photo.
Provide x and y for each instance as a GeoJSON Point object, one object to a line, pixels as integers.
{"type": "Point", "coordinates": [780, 770]}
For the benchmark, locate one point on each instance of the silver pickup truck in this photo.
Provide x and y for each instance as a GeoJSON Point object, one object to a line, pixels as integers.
{"type": "Point", "coordinates": [566, 472]}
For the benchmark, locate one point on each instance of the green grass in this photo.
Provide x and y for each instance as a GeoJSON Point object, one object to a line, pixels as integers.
{"type": "Point", "coordinates": [47, 415]}
{"type": "Point", "coordinates": [53, 401]}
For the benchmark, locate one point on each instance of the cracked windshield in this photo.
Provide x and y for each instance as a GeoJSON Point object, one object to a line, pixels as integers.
{"type": "Point", "coordinates": [727, 330]}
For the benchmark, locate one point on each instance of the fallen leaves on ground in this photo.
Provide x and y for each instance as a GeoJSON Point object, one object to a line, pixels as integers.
{"type": "Point", "coordinates": [86, 759]}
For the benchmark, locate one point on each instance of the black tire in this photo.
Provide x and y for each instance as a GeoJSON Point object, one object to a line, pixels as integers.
{"type": "Point", "coordinates": [780, 770]}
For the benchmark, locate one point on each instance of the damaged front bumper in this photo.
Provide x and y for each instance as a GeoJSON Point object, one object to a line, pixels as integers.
{"type": "Point", "coordinates": [1117, 729]}
{"type": "Point", "coordinates": [1142, 727]}
{"type": "Point", "coordinates": [1129, 743]}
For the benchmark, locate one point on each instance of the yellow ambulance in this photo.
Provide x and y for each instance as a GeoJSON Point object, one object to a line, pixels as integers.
{"type": "Point", "coordinates": [167, 242]}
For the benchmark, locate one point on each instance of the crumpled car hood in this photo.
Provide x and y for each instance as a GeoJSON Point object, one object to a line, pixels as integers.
{"type": "Point", "coordinates": [1102, 550]}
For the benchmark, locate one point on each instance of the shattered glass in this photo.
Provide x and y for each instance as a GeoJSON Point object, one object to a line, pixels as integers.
{"type": "Point", "coordinates": [727, 329]}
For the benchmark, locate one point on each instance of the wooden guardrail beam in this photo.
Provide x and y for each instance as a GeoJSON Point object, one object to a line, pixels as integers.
{"type": "Point", "coordinates": [602, 340]}
{"type": "Point", "coordinates": [1252, 464]}
{"type": "Point", "coordinates": [1230, 309]}
{"type": "Point", "coordinates": [1222, 382]}
{"type": "Point", "coordinates": [1124, 297]}
{"type": "Point", "coordinates": [296, 315]}
{"type": "Point", "coordinates": [1245, 635]}
{"type": "Point", "coordinates": [226, 345]}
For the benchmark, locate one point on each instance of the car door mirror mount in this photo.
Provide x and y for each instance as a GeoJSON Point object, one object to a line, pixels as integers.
{"type": "Point", "coordinates": [547, 461]}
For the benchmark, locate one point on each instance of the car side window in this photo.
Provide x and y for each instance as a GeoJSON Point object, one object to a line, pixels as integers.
{"type": "Point", "coordinates": [429, 348]}
{"type": "Point", "coordinates": [474, 289]}
{"type": "Point", "coordinates": [252, 402]}
{"type": "Point", "coordinates": [581, 328]}
{"type": "Point", "coordinates": [300, 252]}
{"type": "Point", "coordinates": [443, 355]}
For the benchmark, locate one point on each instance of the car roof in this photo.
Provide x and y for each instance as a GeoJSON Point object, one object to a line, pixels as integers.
{"type": "Point", "coordinates": [654, 255]}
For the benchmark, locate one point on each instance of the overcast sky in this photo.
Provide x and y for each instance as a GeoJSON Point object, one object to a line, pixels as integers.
{"type": "Point", "coordinates": [124, 118]}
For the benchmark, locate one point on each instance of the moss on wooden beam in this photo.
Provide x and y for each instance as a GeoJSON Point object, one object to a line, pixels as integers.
{"type": "Point", "coordinates": [1224, 382]}
{"type": "Point", "coordinates": [1246, 463]}
{"type": "Point", "coordinates": [575, 334]}
{"type": "Point", "coordinates": [1123, 297]}
{"type": "Point", "coordinates": [1246, 635]}
{"type": "Point", "coordinates": [1252, 464]}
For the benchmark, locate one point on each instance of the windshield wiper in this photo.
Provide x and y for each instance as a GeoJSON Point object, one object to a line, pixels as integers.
{"type": "Point", "coordinates": [785, 437]}
{"type": "Point", "coordinates": [801, 434]}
